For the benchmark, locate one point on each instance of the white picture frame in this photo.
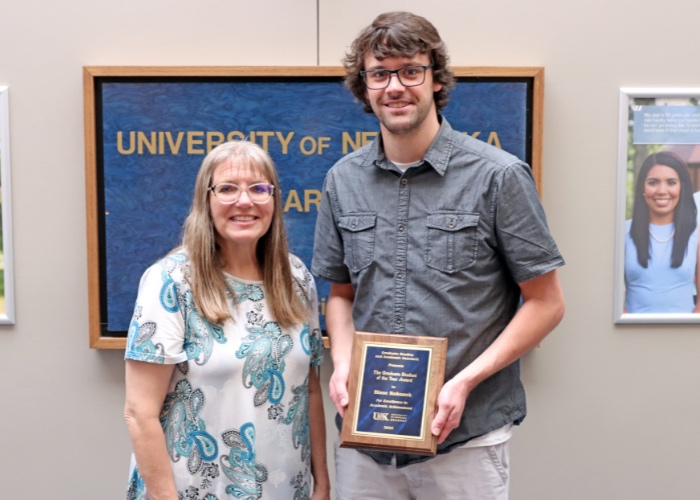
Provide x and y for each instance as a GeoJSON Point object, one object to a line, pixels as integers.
{"type": "Point", "coordinates": [653, 120]}
{"type": "Point", "coordinates": [7, 298]}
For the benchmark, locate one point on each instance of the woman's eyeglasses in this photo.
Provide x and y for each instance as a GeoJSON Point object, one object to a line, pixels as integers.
{"type": "Point", "coordinates": [229, 193]}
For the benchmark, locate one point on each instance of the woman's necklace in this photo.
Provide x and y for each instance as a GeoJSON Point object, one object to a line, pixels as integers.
{"type": "Point", "coordinates": [662, 241]}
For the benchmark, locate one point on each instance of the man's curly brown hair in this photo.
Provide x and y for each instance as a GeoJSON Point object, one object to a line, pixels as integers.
{"type": "Point", "coordinates": [398, 34]}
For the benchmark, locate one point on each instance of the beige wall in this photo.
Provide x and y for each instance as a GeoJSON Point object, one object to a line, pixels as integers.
{"type": "Point", "coordinates": [612, 409]}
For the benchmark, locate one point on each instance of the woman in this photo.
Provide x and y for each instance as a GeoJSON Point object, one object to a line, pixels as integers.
{"type": "Point", "coordinates": [661, 243]}
{"type": "Point", "coordinates": [222, 395]}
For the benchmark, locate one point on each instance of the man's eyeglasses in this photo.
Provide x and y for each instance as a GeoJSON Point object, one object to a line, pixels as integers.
{"type": "Point", "coordinates": [410, 76]}
{"type": "Point", "coordinates": [228, 193]}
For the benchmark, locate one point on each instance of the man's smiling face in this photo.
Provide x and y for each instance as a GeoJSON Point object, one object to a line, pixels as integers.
{"type": "Point", "coordinates": [402, 110]}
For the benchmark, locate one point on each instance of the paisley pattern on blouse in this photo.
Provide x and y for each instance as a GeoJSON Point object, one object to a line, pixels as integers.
{"type": "Point", "coordinates": [185, 431]}
{"type": "Point", "coordinates": [235, 418]}
{"type": "Point", "coordinates": [139, 342]}
{"type": "Point", "coordinates": [264, 350]}
{"type": "Point", "coordinates": [240, 465]}
{"type": "Point", "coordinates": [298, 417]}
{"type": "Point", "coordinates": [301, 486]}
{"type": "Point", "coordinates": [244, 291]}
{"type": "Point", "coordinates": [136, 489]}
{"type": "Point", "coordinates": [200, 335]}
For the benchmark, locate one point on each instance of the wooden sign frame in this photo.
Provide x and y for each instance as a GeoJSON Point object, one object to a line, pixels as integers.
{"type": "Point", "coordinates": [115, 264]}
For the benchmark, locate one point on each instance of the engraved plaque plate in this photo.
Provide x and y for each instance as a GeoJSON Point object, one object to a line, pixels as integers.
{"type": "Point", "coordinates": [393, 386]}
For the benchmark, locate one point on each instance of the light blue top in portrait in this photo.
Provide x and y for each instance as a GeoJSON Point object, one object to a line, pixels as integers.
{"type": "Point", "coordinates": [659, 288]}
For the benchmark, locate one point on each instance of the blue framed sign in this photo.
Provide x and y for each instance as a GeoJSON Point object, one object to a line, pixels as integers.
{"type": "Point", "coordinates": [147, 130]}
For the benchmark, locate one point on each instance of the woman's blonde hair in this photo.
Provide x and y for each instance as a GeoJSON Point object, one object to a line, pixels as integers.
{"type": "Point", "coordinates": [206, 278]}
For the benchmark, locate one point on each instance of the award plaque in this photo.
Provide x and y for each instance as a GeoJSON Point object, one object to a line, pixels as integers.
{"type": "Point", "coordinates": [393, 388]}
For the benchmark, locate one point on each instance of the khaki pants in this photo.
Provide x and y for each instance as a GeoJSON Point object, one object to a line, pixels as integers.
{"type": "Point", "coordinates": [479, 473]}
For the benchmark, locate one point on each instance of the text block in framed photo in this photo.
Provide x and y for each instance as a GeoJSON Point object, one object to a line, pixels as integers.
{"type": "Point", "coordinates": [658, 207]}
{"type": "Point", "coordinates": [147, 130]}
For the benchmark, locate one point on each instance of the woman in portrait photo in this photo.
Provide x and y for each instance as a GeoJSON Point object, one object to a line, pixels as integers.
{"type": "Point", "coordinates": [661, 242]}
{"type": "Point", "coordinates": [222, 394]}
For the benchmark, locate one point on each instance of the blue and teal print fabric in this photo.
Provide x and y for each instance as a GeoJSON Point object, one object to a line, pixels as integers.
{"type": "Point", "coordinates": [236, 416]}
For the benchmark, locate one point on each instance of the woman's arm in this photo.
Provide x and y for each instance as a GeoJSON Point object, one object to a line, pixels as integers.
{"type": "Point", "coordinates": [146, 388]}
{"type": "Point", "coordinates": [317, 434]}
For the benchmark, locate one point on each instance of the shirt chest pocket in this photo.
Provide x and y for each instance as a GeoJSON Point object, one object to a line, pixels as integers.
{"type": "Point", "coordinates": [452, 240]}
{"type": "Point", "coordinates": [358, 239]}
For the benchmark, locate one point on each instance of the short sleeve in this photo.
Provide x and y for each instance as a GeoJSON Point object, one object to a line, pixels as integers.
{"type": "Point", "coordinates": [521, 225]}
{"type": "Point", "coordinates": [157, 329]}
{"type": "Point", "coordinates": [329, 256]}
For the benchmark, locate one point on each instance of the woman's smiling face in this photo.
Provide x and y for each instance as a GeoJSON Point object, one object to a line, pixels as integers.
{"type": "Point", "coordinates": [662, 190]}
{"type": "Point", "coordinates": [243, 223]}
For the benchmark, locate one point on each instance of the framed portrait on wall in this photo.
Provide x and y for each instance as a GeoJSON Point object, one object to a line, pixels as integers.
{"type": "Point", "coordinates": [7, 295]}
{"type": "Point", "coordinates": [657, 264]}
{"type": "Point", "coordinates": [147, 130]}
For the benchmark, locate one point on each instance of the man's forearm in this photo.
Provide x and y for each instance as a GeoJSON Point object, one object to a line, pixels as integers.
{"type": "Point", "coordinates": [341, 328]}
{"type": "Point", "coordinates": [341, 331]}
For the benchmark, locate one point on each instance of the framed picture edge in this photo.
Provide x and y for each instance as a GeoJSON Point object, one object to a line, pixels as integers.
{"type": "Point", "coordinates": [619, 316]}
{"type": "Point", "coordinates": [5, 174]}
{"type": "Point", "coordinates": [92, 73]}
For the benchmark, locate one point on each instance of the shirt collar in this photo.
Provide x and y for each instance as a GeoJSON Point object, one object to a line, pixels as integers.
{"type": "Point", "coordinates": [437, 156]}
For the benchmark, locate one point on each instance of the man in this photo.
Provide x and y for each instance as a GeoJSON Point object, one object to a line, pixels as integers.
{"type": "Point", "coordinates": [428, 231]}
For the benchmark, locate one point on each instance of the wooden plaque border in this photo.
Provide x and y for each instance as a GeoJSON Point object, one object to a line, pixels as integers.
{"type": "Point", "coordinates": [428, 444]}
